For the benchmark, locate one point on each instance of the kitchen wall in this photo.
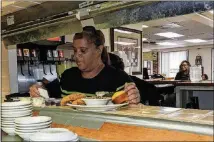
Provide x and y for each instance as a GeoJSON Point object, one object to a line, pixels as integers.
{"type": "Point", "coordinates": [5, 76]}
{"type": "Point", "coordinates": [203, 51]}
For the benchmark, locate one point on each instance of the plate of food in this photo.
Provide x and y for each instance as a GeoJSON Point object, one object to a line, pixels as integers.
{"type": "Point", "coordinates": [99, 102]}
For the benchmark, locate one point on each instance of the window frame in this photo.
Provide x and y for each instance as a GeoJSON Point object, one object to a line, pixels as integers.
{"type": "Point", "coordinates": [161, 54]}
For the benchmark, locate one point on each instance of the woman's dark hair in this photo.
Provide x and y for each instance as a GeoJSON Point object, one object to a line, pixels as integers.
{"type": "Point", "coordinates": [205, 76]}
{"type": "Point", "coordinates": [94, 36]}
{"type": "Point", "coordinates": [116, 61]}
{"type": "Point", "coordinates": [185, 61]}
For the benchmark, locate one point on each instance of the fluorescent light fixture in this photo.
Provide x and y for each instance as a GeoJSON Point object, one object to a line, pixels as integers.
{"type": "Point", "coordinates": [171, 25]}
{"type": "Point", "coordinates": [166, 43]}
{"type": "Point", "coordinates": [18, 7]}
{"type": "Point", "coordinates": [195, 40]}
{"type": "Point", "coordinates": [124, 43]}
{"type": "Point", "coordinates": [145, 26]}
{"type": "Point", "coordinates": [211, 11]}
{"type": "Point", "coordinates": [121, 31]}
{"type": "Point", "coordinates": [144, 39]}
{"type": "Point", "coordinates": [169, 34]}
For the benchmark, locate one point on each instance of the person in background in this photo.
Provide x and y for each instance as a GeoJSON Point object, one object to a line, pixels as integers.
{"type": "Point", "coordinates": [183, 73]}
{"type": "Point", "coordinates": [148, 91]}
{"type": "Point", "coordinates": [93, 73]}
{"type": "Point", "coordinates": [204, 77]}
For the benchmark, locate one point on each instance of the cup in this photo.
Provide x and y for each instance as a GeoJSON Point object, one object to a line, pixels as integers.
{"type": "Point", "coordinates": [38, 101]}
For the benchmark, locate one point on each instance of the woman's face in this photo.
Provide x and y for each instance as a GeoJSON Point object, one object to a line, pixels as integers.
{"type": "Point", "coordinates": [86, 54]}
{"type": "Point", "coordinates": [184, 66]}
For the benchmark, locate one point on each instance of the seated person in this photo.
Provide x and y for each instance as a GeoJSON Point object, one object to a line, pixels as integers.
{"type": "Point", "coordinates": [183, 73]}
{"type": "Point", "coordinates": [204, 77]}
{"type": "Point", "coordinates": [148, 91]}
{"type": "Point", "coordinates": [92, 73]}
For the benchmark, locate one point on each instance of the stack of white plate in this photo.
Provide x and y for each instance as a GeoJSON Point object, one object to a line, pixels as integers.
{"type": "Point", "coordinates": [12, 110]}
{"type": "Point", "coordinates": [54, 134]}
{"type": "Point", "coordinates": [26, 126]}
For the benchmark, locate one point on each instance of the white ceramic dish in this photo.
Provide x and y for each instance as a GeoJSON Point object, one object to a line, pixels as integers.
{"type": "Point", "coordinates": [32, 120]}
{"type": "Point", "coordinates": [34, 125]}
{"type": "Point", "coordinates": [9, 131]}
{"type": "Point", "coordinates": [15, 110]}
{"type": "Point", "coordinates": [16, 107]}
{"type": "Point", "coordinates": [8, 125]}
{"type": "Point", "coordinates": [89, 101]}
{"type": "Point", "coordinates": [54, 134]}
{"type": "Point", "coordinates": [13, 118]}
{"type": "Point", "coordinates": [25, 136]}
{"type": "Point", "coordinates": [13, 104]}
{"type": "Point", "coordinates": [16, 115]}
{"type": "Point", "coordinates": [29, 131]}
{"type": "Point", "coordinates": [97, 108]}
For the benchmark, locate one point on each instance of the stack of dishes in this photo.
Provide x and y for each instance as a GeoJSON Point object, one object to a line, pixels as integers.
{"type": "Point", "coordinates": [54, 134]}
{"type": "Point", "coordinates": [12, 110]}
{"type": "Point", "coordinates": [26, 126]}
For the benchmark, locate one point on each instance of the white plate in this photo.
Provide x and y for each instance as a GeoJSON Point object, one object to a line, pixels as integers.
{"type": "Point", "coordinates": [32, 128]}
{"type": "Point", "coordinates": [54, 134]}
{"type": "Point", "coordinates": [14, 104]}
{"type": "Point", "coordinates": [33, 125]}
{"type": "Point", "coordinates": [15, 110]}
{"type": "Point", "coordinates": [8, 125]}
{"type": "Point", "coordinates": [30, 131]}
{"type": "Point", "coordinates": [97, 108]}
{"type": "Point", "coordinates": [16, 107]}
{"type": "Point", "coordinates": [32, 120]}
{"type": "Point", "coordinates": [16, 115]}
{"type": "Point", "coordinates": [13, 118]}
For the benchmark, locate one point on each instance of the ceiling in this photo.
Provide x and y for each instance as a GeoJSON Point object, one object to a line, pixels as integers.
{"type": "Point", "coordinates": [9, 6]}
{"type": "Point", "coordinates": [192, 26]}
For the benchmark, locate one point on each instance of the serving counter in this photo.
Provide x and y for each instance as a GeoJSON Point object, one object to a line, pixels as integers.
{"type": "Point", "coordinates": [135, 123]}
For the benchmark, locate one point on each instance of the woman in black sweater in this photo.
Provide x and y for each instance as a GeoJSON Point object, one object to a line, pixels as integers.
{"type": "Point", "coordinates": [183, 73]}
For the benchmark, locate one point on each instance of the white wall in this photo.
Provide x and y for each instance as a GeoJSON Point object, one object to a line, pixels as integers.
{"type": "Point", "coordinates": [204, 52]}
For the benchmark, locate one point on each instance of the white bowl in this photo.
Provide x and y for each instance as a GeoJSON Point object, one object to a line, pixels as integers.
{"type": "Point", "coordinates": [9, 131]}
{"type": "Point", "coordinates": [32, 120]}
{"type": "Point", "coordinates": [30, 130]}
{"type": "Point", "coordinates": [38, 101]}
{"type": "Point", "coordinates": [91, 101]}
{"type": "Point", "coordinates": [54, 134]}
{"type": "Point", "coordinates": [34, 125]}
{"type": "Point", "coordinates": [25, 136]}
{"type": "Point", "coordinates": [25, 99]}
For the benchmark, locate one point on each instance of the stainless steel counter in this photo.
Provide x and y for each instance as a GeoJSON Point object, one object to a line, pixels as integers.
{"type": "Point", "coordinates": [95, 120]}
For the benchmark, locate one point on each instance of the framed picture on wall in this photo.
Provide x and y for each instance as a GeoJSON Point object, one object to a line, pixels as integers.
{"type": "Point", "coordinates": [128, 42]}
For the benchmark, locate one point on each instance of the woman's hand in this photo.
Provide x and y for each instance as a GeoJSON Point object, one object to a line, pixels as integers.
{"type": "Point", "coordinates": [133, 93]}
{"type": "Point", "coordinates": [34, 90]}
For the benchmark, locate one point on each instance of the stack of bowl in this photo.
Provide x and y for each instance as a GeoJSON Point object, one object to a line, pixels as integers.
{"type": "Point", "coordinates": [26, 126]}
{"type": "Point", "coordinates": [54, 134]}
{"type": "Point", "coordinates": [12, 110]}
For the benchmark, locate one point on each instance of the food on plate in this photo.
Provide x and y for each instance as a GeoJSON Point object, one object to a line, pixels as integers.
{"type": "Point", "coordinates": [120, 97]}
{"type": "Point", "coordinates": [78, 102]}
{"type": "Point", "coordinates": [71, 98]}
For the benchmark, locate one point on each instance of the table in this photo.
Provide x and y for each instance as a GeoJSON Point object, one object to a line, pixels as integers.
{"type": "Point", "coordinates": [184, 89]}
